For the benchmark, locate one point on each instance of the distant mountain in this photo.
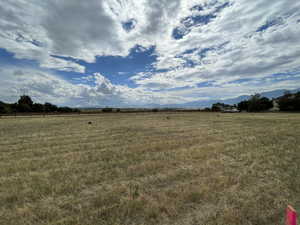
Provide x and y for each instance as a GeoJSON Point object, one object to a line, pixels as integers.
{"type": "Point", "coordinates": [277, 93]}
{"type": "Point", "coordinates": [230, 101]}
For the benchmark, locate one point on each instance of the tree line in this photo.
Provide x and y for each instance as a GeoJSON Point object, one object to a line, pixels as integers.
{"type": "Point", "coordinates": [288, 102]}
{"type": "Point", "coordinates": [257, 103]}
{"type": "Point", "coordinates": [26, 105]}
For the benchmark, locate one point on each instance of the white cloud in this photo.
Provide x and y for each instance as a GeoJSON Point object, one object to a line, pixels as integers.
{"type": "Point", "coordinates": [46, 87]}
{"type": "Point", "coordinates": [244, 53]}
{"type": "Point", "coordinates": [42, 86]}
{"type": "Point", "coordinates": [224, 49]}
{"type": "Point", "coordinates": [62, 65]}
{"type": "Point", "coordinates": [99, 91]}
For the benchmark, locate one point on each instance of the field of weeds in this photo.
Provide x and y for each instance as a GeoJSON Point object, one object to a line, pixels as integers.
{"type": "Point", "coordinates": [151, 168]}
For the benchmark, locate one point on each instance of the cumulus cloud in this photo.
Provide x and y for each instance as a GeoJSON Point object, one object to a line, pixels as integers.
{"type": "Point", "coordinates": [236, 42]}
{"type": "Point", "coordinates": [214, 41]}
{"type": "Point", "coordinates": [43, 86]}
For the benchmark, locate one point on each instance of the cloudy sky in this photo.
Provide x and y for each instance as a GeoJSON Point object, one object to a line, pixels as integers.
{"type": "Point", "coordinates": [139, 52]}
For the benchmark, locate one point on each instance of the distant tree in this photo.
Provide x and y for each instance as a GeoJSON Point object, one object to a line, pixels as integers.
{"type": "Point", "coordinates": [38, 108]}
{"type": "Point", "coordinates": [24, 108]}
{"type": "Point", "coordinates": [2, 107]}
{"type": "Point", "coordinates": [285, 103]}
{"type": "Point", "coordinates": [256, 103]}
{"type": "Point", "coordinates": [217, 107]}
{"type": "Point", "coordinates": [297, 102]}
{"type": "Point", "coordinates": [50, 107]}
{"type": "Point", "coordinates": [13, 108]}
{"type": "Point", "coordinates": [155, 110]}
{"type": "Point", "coordinates": [289, 102]}
{"type": "Point", "coordinates": [243, 106]}
{"type": "Point", "coordinates": [65, 110]}
{"type": "Point", "coordinates": [25, 100]}
{"type": "Point", "coordinates": [107, 109]}
{"type": "Point", "coordinates": [24, 104]}
{"type": "Point", "coordinates": [265, 104]}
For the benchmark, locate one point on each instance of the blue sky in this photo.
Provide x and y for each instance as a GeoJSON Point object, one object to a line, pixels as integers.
{"type": "Point", "coordinates": [137, 53]}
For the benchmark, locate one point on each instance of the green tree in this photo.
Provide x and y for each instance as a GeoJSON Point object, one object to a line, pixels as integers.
{"type": "Point", "coordinates": [24, 104]}
{"type": "Point", "coordinates": [25, 100]}
{"type": "Point", "coordinates": [2, 107]}
{"type": "Point", "coordinates": [65, 110]}
{"type": "Point", "coordinates": [24, 108]}
{"type": "Point", "coordinates": [50, 107]}
{"type": "Point", "coordinates": [107, 110]}
{"type": "Point", "coordinates": [217, 107]}
{"type": "Point", "coordinates": [243, 105]}
{"type": "Point", "coordinates": [258, 103]}
{"type": "Point", "coordinates": [289, 102]}
{"type": "Point", "coordinates": [38, 108]}
{"type": "Point", "coordinates": [13, 108]}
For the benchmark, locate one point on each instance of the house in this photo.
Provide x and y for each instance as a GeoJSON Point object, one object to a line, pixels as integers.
{"type": "Point", "coordinates": [275, 107]}
{"type": "Point", "coordinates": [221, 107]}
{"type": "Point", "coordinates": [230, 110]}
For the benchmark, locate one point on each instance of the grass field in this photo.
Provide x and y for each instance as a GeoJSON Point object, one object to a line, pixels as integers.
{"type": "Point", "coordinates": [159, 168]}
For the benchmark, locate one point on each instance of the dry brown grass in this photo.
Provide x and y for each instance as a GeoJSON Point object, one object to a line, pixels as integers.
{"type": "Point", "coordinates": [188, 169]}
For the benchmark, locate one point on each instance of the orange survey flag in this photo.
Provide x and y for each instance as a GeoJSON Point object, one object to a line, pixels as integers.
{"type": "Point", "coordinates": [291, 216]}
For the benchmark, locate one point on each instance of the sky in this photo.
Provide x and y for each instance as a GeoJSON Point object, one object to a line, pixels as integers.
{"type": "Point", "coordinates": [125, 53]}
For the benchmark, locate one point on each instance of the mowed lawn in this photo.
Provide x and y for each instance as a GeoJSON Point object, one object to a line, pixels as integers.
{"type": "Point", "coordinates": [149, 168]}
